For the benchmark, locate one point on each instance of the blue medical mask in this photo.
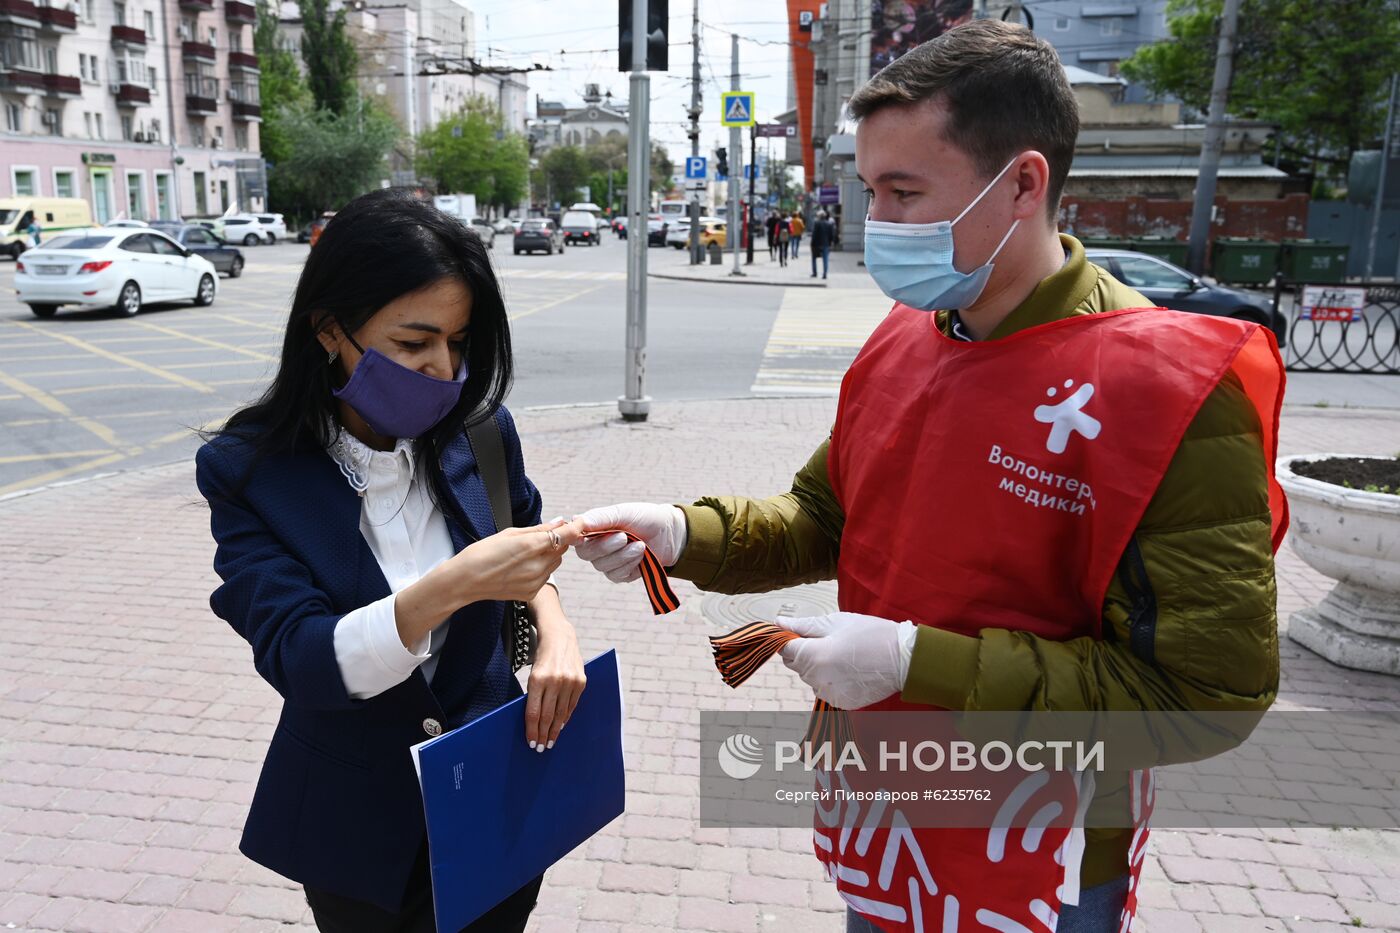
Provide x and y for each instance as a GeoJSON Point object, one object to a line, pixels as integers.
{"type": "Point", "coordinates": [913, 263]}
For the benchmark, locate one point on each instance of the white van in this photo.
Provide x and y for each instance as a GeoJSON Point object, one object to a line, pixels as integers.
{"type": "Point", "coordinates": [54, 215]}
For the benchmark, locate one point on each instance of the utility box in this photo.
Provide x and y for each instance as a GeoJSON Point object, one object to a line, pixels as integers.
{"type": "Point", "coordinates": [1314, 261]}
{"type": "Point", "coordinates": [1240, 261]}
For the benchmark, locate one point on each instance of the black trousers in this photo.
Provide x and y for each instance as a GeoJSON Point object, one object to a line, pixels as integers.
{"type": "Point", "coordinates": [337, 914]}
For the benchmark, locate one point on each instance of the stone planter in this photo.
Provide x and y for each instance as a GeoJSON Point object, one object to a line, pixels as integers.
{"type": "Point", "coordinates": [1353, 537]}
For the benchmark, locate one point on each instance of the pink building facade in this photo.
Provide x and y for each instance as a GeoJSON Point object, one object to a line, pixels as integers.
{"type": "Point", "coordinates": [147, 109]}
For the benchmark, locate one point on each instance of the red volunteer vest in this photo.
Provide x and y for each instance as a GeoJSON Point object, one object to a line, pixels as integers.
{"type": "Point", "coordinates": [996, 485]}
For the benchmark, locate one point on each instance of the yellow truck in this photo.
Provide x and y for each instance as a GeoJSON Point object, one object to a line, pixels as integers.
{"type": "Point", "coordinates": [54, 216]}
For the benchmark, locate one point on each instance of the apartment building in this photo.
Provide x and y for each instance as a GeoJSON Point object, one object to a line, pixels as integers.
{"type": "Point", "coordinates": [145, 108]}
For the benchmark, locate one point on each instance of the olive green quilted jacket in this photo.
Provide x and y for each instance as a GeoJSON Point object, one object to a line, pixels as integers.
{"type": "Point", "coordinates": [1204, 540]}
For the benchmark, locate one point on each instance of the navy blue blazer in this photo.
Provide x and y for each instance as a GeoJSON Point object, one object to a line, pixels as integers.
{"type": "Point", "coordinates": [337, 806]}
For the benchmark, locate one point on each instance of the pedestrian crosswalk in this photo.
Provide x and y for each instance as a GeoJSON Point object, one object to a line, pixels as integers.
{"type": "Point", "coordinates": [815, 337]}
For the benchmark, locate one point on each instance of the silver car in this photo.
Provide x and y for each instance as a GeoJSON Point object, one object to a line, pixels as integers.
{"type": "Point", "coordinates": [484, 229]}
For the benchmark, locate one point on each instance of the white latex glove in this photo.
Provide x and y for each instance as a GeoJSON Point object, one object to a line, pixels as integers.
{"type": "Point", "coordinates": [661, 528]}
{"type": "Point", "coordinates": [850, 660]}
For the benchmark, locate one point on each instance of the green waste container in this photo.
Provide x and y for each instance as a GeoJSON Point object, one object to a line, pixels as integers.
{"type": "Point", "coordinates": [1240, 261]}
{"type": "Point", "coordinates": [1173, 251]}
{"type": "Point", "coordinates": [1105, 242]}
{"type": "Point", "coordinates": [1311, 261]}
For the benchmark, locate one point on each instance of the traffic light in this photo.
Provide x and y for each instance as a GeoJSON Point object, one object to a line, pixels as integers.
{"type": "Point", "coordinates": [722, 162]}
{"type": "Point", "coordinates": [656, 35]}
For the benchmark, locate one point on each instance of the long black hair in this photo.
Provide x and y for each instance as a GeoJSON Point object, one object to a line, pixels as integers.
{"type": "Point", "coordinates": [382, 246]}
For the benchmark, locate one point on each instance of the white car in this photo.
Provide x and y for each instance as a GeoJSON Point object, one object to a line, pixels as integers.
{"type": "Point", "coordinates": [243, 228]}
{"type": "Point", "coordinates": [274, 225]}
{"type": "Point", "coordinates": [118, 267]}
{"type": "Point", "coordinates": [678, 231]}
{"type": "Point", "coordinates": [126, 223]}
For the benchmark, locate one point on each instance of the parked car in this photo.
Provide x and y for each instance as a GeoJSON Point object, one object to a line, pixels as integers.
{"type": "Point", "coordinates": [54, 216]}
{"type": "Point", "coordinates": [678, 231]}
{"type": "Point", "coordinates": [317, 226]}
{"type": "Point", "coordinates": [124, 222]}
{"type": "Point", "coordinates": [1173, 287]}
{"type": "Point", "coordinates": [504, 225]}
{"type": "Point", "coordinates": [241, 228]}
{"type": "Point", "coordinates": [656, 230]}
{"type": "Point", "coordinates": [274, 225]}
{"type": "Point", "coordinates": [484, 229]}
{"type": "Point", "coordinates": [711, 231]}
{"type": "Point", "coordinates": [225, 257]}
{"type": "Point", "coordinates": [123, 268]}
{"type": "Point", "coordinates": [539, 233]}
{"type": "Point", "coordinates": [580, 227]}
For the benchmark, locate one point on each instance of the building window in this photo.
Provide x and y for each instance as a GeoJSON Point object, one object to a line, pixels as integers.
{"type": "Point", "coordinates": [196, 134]}
{"type": "Point", "coordinates": [19, 52]}
{"type": "Point", "coordinates": [135, 196]}
{"type": "Point", "coordinates": [188, 29]}
{"type": "Point", "coordinates": [1062, 24]}
{"type": "Point", "coordinates": [25, 184]}
{"type": "Point", "coordinates": [97, 125]}
{"type": "Point", "coordinates": [63, 184]}
{"type": "Point", "coordinates": [14, 118]}
{"type": "Point", "coordinates": [128, 128]}
{"type": "Point", "coordinates": [218, 136]}
{"type": "Point", "coordinates": [54, 121]}
{"type": "Point", "coordinates": [240, 138]}
{"type": "Point", "coordinates": [155, 131]}
{"type": "Point", "coordinates": [119, 9]}
{"type": "Point", "coordinates": [1111, 26]}
{"type": "Point", "coordinates": [90, 10]}
{"type": "Point", "coordinates": [152, 82]}
{"type": "Point", "coordinates": [150, 21]}
{"type": "Point", "coordinates": [51, 60]}
{"type": "Point", "coordinates": [131, 70]}
{"type": "Point", "coordinates": [213, 37]}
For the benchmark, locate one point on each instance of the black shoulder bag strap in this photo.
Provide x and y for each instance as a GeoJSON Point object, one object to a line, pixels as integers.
{"type": "Point", "coordinates": [518, 630]}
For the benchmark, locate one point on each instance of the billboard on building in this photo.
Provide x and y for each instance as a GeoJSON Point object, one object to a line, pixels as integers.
{"type": "Point", "coordinates": [896, 26]}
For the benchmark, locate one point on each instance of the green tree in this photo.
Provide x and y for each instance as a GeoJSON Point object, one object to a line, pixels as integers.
{"type": "Point", "coordinates": [329, 55]}
{"type": "Point", "coordinates": [662, 168]}
{"type": "Point", "coordinates": [471, 152]}
{"type": "Point", "coordinates": [331, 157]}
{"type": "Point", "coordinates": [563, 171]}
{"type": "Point", "coordinates": [1320, 71]}
{"type": "Point", "coordinates": [280, 86]}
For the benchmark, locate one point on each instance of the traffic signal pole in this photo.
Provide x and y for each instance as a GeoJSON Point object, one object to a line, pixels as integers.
{"type": "Point", "coordinates": [753, 170]}
{"type": "Point", "coordinates": [737, 223]}
{"type": "Point", "coordinates": [696, 256]}
{"type": "Point", "coordinates": [634, 403]}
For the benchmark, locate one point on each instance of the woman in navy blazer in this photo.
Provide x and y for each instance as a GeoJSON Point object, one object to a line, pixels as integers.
{"type": "Point", "coordinates": [361, 563]}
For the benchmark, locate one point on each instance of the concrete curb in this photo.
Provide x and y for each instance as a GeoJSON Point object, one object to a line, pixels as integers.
{"type": "Point", "coordinates": [734, 280]}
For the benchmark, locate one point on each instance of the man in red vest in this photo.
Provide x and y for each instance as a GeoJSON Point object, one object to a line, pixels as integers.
{"type": "Point", "coordinates": [1036, 496]}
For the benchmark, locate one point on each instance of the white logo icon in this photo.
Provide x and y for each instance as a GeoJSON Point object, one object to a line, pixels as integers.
{"type": "Point", "coordinates": [740, 756]}
{"type": "Point", "coordinates": [1068, 416]}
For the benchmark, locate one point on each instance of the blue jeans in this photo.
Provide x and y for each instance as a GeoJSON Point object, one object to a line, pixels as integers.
{"type": "Point", "coordinates": [1098, 911]}
{"type": "Point", "coordinates": [796, 241]}
{"type": "Point", "coordinates": [820, 251]}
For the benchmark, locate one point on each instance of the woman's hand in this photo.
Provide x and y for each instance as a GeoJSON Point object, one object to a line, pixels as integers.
{"type": "Point", "coordinates": [513, 564]}
{"type": "Point", "coordinates": [556, 678]}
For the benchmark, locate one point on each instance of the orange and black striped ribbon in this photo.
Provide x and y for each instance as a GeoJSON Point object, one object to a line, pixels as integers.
{"type": "Point", "coordinates": [743, 651]}
{"type": "Point", "coordinates": [663, 598]}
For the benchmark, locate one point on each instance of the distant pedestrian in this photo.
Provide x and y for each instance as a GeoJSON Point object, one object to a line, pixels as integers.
{"type": "Point", "coordinates": [35, 232]}
{"type": "Point", "coordinates": [823, 235]}
{"type": "Point", "coordinates": [784, 230]}
{"type": "Point", "coordinates": [798, 228]}
{"type": "Point", "coordinates": [770, 224]}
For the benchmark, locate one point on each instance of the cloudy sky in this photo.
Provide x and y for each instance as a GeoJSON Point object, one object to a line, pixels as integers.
{"type": "Point", "coordinates": [578, 39]}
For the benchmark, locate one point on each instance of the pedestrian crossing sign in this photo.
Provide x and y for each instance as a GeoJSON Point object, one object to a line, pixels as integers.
{"type": "Point", "coordinates": [736, 108]}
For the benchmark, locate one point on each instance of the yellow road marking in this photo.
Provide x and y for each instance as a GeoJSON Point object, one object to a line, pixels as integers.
{"type": "Point", "coordinates": [54, 475]}
{"type": "Point", "coordinates": [558, 301]}
{"type": "Point", "coordinates": [213, 363]}
{"type": "Point", "coordinates": [119, 358]}
{"type": "Point", "coordinates": [216, 344]}
{"type": "Point", "coordinates": [114, 387]}
{"type": "Point", "coordinates": [55, 455]}
{"type": "Point", "coordinates": [239, 320]}
{"type": "Point", "coordinates": [46, 400]}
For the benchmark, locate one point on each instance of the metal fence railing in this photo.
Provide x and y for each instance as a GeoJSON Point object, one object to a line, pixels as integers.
{"type": "Point", "coordinates": [1342, 328]}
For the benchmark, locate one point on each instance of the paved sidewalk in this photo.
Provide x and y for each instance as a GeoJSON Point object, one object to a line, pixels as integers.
{"type": "Point", "coordinates": [844, 269]}
{"type": "Point", "coordinates": [132, 723]}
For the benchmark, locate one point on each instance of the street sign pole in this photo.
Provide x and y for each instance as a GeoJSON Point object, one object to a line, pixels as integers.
{"type": "Point", "coordinates": [753, 171]}
{"type": "Point", "coordinates": [736, 221]}
{"type": "Point", "coordinates": [695, 253]}
{"type": "Point", "coordinates": [634, 403]}
{"type": "Point", "coordinates": [1387, 153]}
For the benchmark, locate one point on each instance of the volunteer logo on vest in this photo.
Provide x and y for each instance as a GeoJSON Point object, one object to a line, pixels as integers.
{"type": "Point", "coordinates": [740, 756]}
{"type": "Point", "coordinates": [1068, 416]}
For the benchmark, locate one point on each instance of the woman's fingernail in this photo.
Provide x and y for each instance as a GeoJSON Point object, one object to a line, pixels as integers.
{"type": "Point", "coordinates": [532, 744]}
{"type": "Point", "coordinates": [540, 749]}
{"type": "Point", "coordinates": [551, 744]}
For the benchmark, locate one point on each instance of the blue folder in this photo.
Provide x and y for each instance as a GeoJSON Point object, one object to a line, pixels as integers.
{"type": "Point", "coordinates": [500, 813]}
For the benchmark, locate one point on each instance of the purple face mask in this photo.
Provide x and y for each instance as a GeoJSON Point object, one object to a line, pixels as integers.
{"type": "Point", "coordinates": [396, 401]}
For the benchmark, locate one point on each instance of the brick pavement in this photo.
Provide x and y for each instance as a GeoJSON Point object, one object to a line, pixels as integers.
{"type": "Point", "coordinates": [132, 724]}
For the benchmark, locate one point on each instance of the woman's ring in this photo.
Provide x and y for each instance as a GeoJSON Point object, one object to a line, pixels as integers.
{"type": "Point", "coordinates": [554, 539]}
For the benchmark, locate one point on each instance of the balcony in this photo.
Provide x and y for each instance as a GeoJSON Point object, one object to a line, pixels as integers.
{"type": "Point", "coordinates": [129, 37]}
{"type": "Point", "coordinates": [243, 61]}
{"type": "Point", "coordinates": [22, 82]}
{"type": "Point", "coordinates": [236, 11]}
{"type": "Point", "coordinates": [242, 111]}
{"type": "Point", "coordinates": [200, 106]}
{"type": "Point", "coordinates": [62, 86]}
{"type": "Point", "coordinates": [197, 6]}
{"type": "Point", "coordinates": [197, 52]}
{"type": "Point", "coordinates": [131, 95]}
{"type": "Point", "coordinates": [20, 13]}
{"type": "Point", "coordinates": [58, 20]}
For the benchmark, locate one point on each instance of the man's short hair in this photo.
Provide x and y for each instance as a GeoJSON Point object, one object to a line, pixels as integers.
{"type": "Point", "coordinates": [1005, 91]}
